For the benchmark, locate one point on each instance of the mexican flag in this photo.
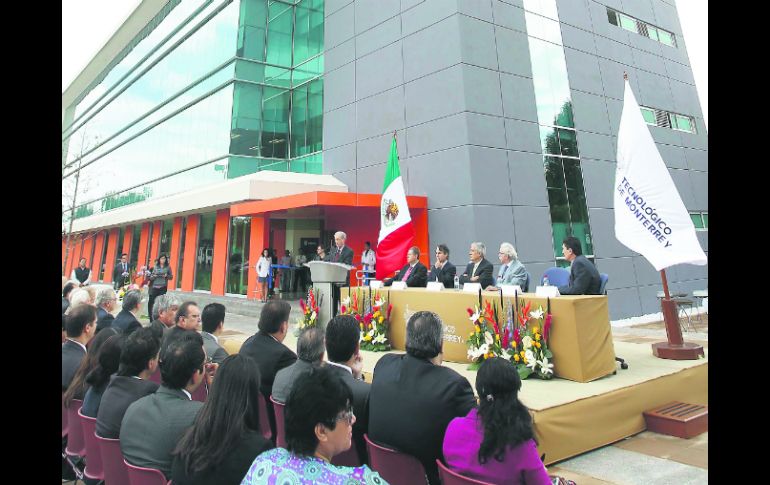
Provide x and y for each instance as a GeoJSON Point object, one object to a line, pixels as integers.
{"type": "Point", "coordinates": [396, 229]}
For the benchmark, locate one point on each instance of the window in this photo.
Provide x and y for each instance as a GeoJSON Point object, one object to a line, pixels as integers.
{"type": "Point", "coordinates": [649, 115]}
{"type": "Point", "coordinates": [628, 23]}
{"type": "Point", "coordinates": [666, 119]}
{"type": "Point", "coordinates": [612, 16]}
{"type": "Point", "coordinates": [639, 27]}
{"type": "Point", "coordinates": [682, 123]}
{"type": "Point", "coordinates": [700, 220]}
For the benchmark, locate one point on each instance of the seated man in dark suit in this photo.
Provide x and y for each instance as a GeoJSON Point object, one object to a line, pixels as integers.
{"type": "Point", "coordinates": [443, 270]}
{"type": "Point", "coordinates": [583, 276]}
{"type": "Point", "coordinates": [153, 425]}
{"type": "Point", "coordinates": [213, 320]}
{"type": "Point", "coordinates": [187, 319]}
{"type": "Point", "coordinates": [138, 361]}
{"type": "Point", "coordinates": [80, 327]}
{"type": "Point", "coordinates": [479, 270]}
{"type": "Point", "coordinates": [105, 304]}
{"type": "Point", "coordinates": [344, 354]}
{"type": "Point", "coordinates": [310, 353]}
{"type": "Point", "coordinates": [163, 312]}
{"type": "Point", "coordinates": [126, 321]}
{"type": "Point", "coordinates": [413, 398]}
{"type": "Point", "coordinates": [267, 349]}
{"type": "Point", "coordinates": [414, 273]}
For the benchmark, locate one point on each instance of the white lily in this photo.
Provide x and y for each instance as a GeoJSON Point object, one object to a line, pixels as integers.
{"type": "Point", "coordinates": [313, 316]}
{"type": "Point", "coordinates": [379, 302]}
{"type": "Point", "coordinates": [536, 313]}
{"type": "Point", "coordinates": [346, 301]}
{"type": "Point", "coordinates": [527, 342]}
{"type": "Point", "coordinates": [379, 339]}
{"type": "Point", "coordinates": [531, 360]}
{"type": "Point", "coordinates": [545, 366]}
{"type": "Point", "coordinates": [474, 317]}
{"type": "Point", "coordinates": [488, 338]}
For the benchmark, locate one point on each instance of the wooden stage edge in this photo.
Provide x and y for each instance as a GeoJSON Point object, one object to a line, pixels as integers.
{"type": "Point", "coordinates": [572, 417]}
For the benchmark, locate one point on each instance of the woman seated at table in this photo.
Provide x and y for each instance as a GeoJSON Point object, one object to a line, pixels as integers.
{"type": "Point", "coordinates": [225, 437]}
{"type": "Point", "coordinates": [495, 442]}
{"type": "Point", "coordinates": [319, 425]}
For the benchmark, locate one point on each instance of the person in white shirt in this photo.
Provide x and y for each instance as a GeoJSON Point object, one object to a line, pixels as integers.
{"type": "Point", "coordinates": [263, 270]}
{"type": "Point", "coordinates": [368, 260]}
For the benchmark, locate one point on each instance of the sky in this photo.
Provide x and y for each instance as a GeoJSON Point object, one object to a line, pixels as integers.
{"type": "Point", "coordinates": [88, 24]}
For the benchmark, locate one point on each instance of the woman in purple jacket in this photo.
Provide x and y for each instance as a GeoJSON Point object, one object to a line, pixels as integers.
{"type": "Point", "coordinates": [495, 442]}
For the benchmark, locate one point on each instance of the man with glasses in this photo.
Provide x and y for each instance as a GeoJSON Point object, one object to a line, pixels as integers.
{"type": "Point", "coordinates": [479, 270]}
{"type": "Point", "coordinates": [442, 270]}
{"type": "Point", "coordinates": [188, 318]}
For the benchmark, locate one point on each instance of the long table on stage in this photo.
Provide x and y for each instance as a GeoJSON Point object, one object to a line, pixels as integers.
{"type": "Point", "coordinates": [580, 338]}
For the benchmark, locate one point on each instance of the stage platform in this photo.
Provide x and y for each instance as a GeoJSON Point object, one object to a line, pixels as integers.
{"type": "Point", "coordinates": [571, 417]}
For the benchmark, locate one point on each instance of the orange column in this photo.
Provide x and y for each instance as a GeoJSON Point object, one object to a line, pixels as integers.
{"type": "Point", "coordinates": [258, 240]}
{"type": "Point", "coordinates": [96, 265]}
{"type": "Point", "coordinates": [155, 245]}
{"type": "Point", "coordinates": [190, 251]}
{"type": "Point", "coordinates": [176, 232]}
{"type": "Point", "coordinates": [88, 245]}
{"type": "Point", "coordinates": [219, 261]}
{"type": "Point", "coordinates": [128, 235]}
{"type": "Point", "coordinates": [420, 220]}
{"type": "Point", "coordinates": [143, 237]}
{"type": "Point", "coordinates": [75, 254]}
{"type": "Point", "coordinates": [112, 249]}
{"type": "Point", "coordinates": [63, 248]}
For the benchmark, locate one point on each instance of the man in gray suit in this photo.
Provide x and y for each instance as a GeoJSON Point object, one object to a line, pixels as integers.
{"type": "Point", "coordinates": [310, 353]}
{"type": "Point", "coordinates": [344, 353]}
{"type": "Point", "coordinates": [213, 320]}
{"type": "Point", "coordinates": [511, 272]}
{"type": "Point", "coordinates": [153, 425]}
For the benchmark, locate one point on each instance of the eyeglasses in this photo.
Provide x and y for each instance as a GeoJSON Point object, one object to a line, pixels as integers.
{"type": "Point", "coordinates": [347, 415]}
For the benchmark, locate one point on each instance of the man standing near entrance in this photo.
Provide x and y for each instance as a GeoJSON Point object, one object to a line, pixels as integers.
{"type": "Point", "coordinates": [82, 273]}
{"type": "Point", "coordinates": [120, 273]}
{"type": "Point", "coordinates": [368, 260]}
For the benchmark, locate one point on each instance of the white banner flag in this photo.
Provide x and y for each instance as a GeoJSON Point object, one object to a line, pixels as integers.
{"type": "Point", "coordinates": [650, 217]}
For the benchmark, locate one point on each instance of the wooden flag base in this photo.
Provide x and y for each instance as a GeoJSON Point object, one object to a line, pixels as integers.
{"type": "Point", "coordinates": [684, 351]}
{"type": "Point", "coordinates": [675, 348]}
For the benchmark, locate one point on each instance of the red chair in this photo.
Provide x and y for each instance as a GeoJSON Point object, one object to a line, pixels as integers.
{"type": "Point", "coordinates": [201, 394]}
{"type": "Point", "coordinates": [264, 419]}
{"type": "Point", "coordinates": [145, 476]}
{"type": "Point", "coordinates": [76, 445]}
{"type": "Point", "coordinates": [155, 377]}
{"type": "Point", "coordinates": [94, 469]}
{"type": "Point", "coordinates": [63, 417]}
{"type": "Point", "coordinates": [115, 470]}
{"type": "Point", "coordinates": [280, 424]}
{"type": "Point", "coordinates": [395, 467]}
{"type": "Point", "coordinates": [448, 477]}
{"type": "Point", "coordinates": [348, 458]}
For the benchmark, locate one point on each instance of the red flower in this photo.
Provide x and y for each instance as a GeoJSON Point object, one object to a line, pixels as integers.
{"type": "Point", "coordinates": [390, 308]}
{"type": "Point", "coordinates": [505, 339]}
{"type": "Point", "coordinates": [547, 327]}
{"type": "Point", "coordinates": [302, 305]}
{"type": "Point", "coordinates": [343, 309]}
{"type": "Point", "coordinates": [516, 336]}
{"type": "Point", "coordinates": [470, 312]}
{"type": "Point", "coordinates": [311, 298]}
{"type": "Point", "coordinates": [368, 318]}
{"type": "Point", "coordinates": [524, 315]}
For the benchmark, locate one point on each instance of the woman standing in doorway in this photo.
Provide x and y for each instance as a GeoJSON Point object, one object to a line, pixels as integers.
{"type": "Point", "coordinates": [159, 277]}
{"type": "Point", "coordinates": [263, 270]}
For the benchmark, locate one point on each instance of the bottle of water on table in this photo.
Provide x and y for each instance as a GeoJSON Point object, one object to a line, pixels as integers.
{"type": "Point", "coordinates": [457, 282]}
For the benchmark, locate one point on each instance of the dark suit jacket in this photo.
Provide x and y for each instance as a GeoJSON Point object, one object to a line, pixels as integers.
{"type": "Point", "coordinates": [231, 470]}
{"type": "Point", "coordinates": [345, 258]}
{"type": "Point", "coordinates": [121, 392]}
{"type": "Point", "coordinates": [65, 303]}
{"type": "Point", "coordinates": [213, 349]}
{"type": "Point", "coordinates": [583, 278]}
{"type": "Point", "coordinates": [104, 319]}
{"type": "Point", "coordinates": [118, 271]}
{"type": "Point", "coordinates": [360, 391]}
{"type": "Point", "coordinates": [445, 275]}
{"type": "Point", "coordinates": [170, 335]}
{"type": "Point", "coordinates": [126, 322]}
{"type": "Point", "coordinates": [153, 425]}
{"type": "Point", "coordinates": [411, 402]}
{"type": "Point", "coordinates": [72, 355]}
{"type": "Point", "coordinates": [418, 278]}
{"type": "Point", "coordinates": [484, 271]}
{"type": "Point", "coordinates": [284, 379]}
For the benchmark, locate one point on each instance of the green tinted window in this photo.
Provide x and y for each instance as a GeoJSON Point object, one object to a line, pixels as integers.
{"type": "Point", "coordinates": [697, 220]}
{"type": "Point", "coordinates": [665, 37]}
{"type": "Point", "coordinates": [652, 32]}
{"type": "Point", "coordinates": [706, 220]}
{"type": "Point", "coordinates": [649, 116]}
{"type": "Point", "coordinates": [568, 142]}
{"type": "Point", "coordinates": [205, 253]}
{"type": "Point", "coordinates": [683, 123]}
{"type": "Point", "coordinates": [238, 255]}
{"type": "Point", "coordinates": [628, 23]}
{"type": "Point", "coordinates": [612, 16]}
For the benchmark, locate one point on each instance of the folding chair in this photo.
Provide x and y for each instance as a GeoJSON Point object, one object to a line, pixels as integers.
{"type": "Point", "coordinates": [280, 425]}
{"type": "Point", "coordinates": [138, 475]}
{"type": "Point", "coordinates": [448, 477]}
{"type": "Point", "coordinates": [395, 467]}
{"type": "Point", "coordinates": [94, 469]}
{"type": "Point", "coordinates": [115, 470]}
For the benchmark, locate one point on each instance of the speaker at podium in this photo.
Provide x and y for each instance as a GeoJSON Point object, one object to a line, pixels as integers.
{"type": "Point", "coordinates": [325, 276]}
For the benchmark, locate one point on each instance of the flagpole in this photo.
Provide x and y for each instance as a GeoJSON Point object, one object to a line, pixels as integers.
{"type": "Point", "coordinates": [675, 348]}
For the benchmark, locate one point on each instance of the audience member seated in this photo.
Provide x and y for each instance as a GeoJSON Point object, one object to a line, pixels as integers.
{"type": "Point", "coordinates": [479, 270]}
{"type": "Point", "coordinates": [319, 421]}
{"type": "Point", "coordinates": [345, 360]}
{"type": "Point", "coordinates": [126, 321]}
{"type": "Point", "coordinates": [78, 386]}
{"type": "Point", "coordinates": [163, 312]}
{"type": "Point", "coordinates": [80, 327]}
{"type": "Point", "coordinates": [413, 398]}
{"type": "Point", "coordinates": [78, 296]}
{"type": "Point", "coordinates": [511, 272]}
{"type": "Point", "coordinates": [186, 319]}
{"type": "Point", "coordinates": [138, 361]}
{"type": "Point", "coordinates": [267, 349]}
{"type": "Point", "coordinates": [310, 353]}
{"type": "Point", "coordinates": [105, 305]}
{"type": "Point", "coordinates": [153, 425]}
{"type": "Point", "coordinates": [583, 276]}
{"type": "Point", "coordinates": [213, 321]}
{"type": "Point", "coordinates": [225, 437]}
{"type": "Point", "coordinates": [65, 295]}
{"type": "Point", "coordinates": [414, 273]}
{"type": "Point", "coordinates": [495, 443]}
{"type": "Point", "coordinates": [107, 362]}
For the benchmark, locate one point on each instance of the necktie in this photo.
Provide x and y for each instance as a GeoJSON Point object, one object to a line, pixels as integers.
{"type": "Point", "coordinates": [505, 270]}
{"type": "Point", "coordinates": [337, 256]}
{"type": "Point", "coordinates": [406, 275]}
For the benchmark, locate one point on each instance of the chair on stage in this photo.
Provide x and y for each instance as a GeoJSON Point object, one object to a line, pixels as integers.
{"type": "Point", "coordinates": [115, 470]}
{"type": "Point", "coordinates": [448, 477]}
{"type": "Point", "coordinates": [556, 276]}
{"type": "Point", "coordinates": [94, 469]}
{"type": "Point", "coordinates": [264, 419]}
{"type": "Point", "coordinates": [395, 467]}
{"type": "Point", "coordinates": [139, 475]}
{"type": "Point", "coordinates": [525, 288]}
{"type": "Point", "coordinates": [604, 278]}
{"type": "Point", "coordinates": [280, 425]}
{"type": "Point", "coordinates": [682, 304]}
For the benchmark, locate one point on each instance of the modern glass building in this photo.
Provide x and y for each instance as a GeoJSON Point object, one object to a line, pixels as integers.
{"type": "Point", "coordinates": [212, 129]}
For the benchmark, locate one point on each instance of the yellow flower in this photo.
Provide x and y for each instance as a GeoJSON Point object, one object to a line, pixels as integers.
{"type": "Point", "coordinates": [537, 336]}
{"type": "Point", "coordinates": [361, 325]}
{"type": "Point", "coordinates": [368, 338]}
{"type": "Point", "coordinates": [535, 329]}
{"type": "Point", "coordinates": [524, 359]}
{"type": "Point", "coordinates": [516, 357]}
{"type": "Point", "coordinates": [381, 319]}
{"type": "Point", "coordinates": [478, 329]}
{"type": "Point", "coordinates": [513, 344]}
{"type": "Point", "coordinates": [490, 355]}
{"type": "Point", "coordinates": [470, 334]}
{"type": "Point", "coordinates": [537, 344]}
{"type": "Point", "coordinates": [481, 319]}
{"type": "Point", "coordinates": [522, 354]}
{"type": "Point", "coordinates": [497, 337]}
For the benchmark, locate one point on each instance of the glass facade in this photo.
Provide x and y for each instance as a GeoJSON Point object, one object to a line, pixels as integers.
{"type": "Point", "coordinates": [166, 229]}
{"type": "Point", "coordinates": [205, 254]}
{"type": "Point", "coordinates": [238, 256]}
{"type": "Point", "coordinates": [180, 265]}
{"type": "Point", "coordinates": [104, 260]}
{"type": "Point", "coordinates": [206, 92]}
{"type": "Point", "coordinates": [133, 256]}
{"type": "Point", "coordinates": [561, 157]}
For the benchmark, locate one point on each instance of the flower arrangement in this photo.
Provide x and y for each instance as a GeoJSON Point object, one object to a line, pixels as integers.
{"type": "Point", "coordinates": [373, 316]}
{"type": "Point", "coordinates": [309, 310]}
{"type": "Point", "coordinates": [529, 346]}
{"type": "Point", "coordinates": [125, 289]}
{"type": "Point", "coordinates": [485, 341]}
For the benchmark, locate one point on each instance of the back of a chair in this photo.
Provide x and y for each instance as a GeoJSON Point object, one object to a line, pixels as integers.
{"type": "Point", "coordinates": [280, 424]}
{"type": "Point", "coordinates": [201, 393]}
{"type": "Point", "coordinates": [448, 477]}
{"type": "Point", "coordinates": [75, 443]}
{"type": "Point", "coordinates": [138, 475]}
{"type": "Point", "coordinates": [525, 288]}
{"type": "Point", "coordinates": [395, 467]}
{"type": "Point", "coordinates": [115, 471]}
{"type": "Point", "coordinates": [264, 419]}
{"type": "Point", "coordinates": [155, 377]}
{"type": "Point", "coordinates": [556, 276]}
{"type": "Point", "coordinates": [604, 278]}
{"type": "Point", "coordinates": [64, 417]}
{"type": "Point", "coordinates": [94, 469]}
{"type": "Point", "coordinates": [348, 458]}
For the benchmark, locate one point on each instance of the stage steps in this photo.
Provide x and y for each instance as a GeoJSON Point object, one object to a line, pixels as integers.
{"type": "Point", "coordinates": [678, 419]}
